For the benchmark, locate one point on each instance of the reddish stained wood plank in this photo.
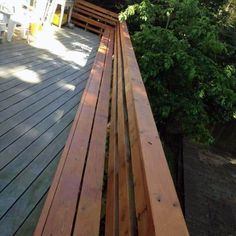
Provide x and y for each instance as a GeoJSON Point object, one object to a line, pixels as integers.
{"type": "Point", "coordinates": [164, 205]}
{"type": "Point", "coordinates": [97, 8]}
{"type": "Point", "coordinates": [94, 13]}
{"type": "Point", "coordinates": [89, 209]}
{"type": "Point", "coordinates": [111, 225]}
{"type": "Point", "coordinates": [93, 16]}
{"type": "Point", "coordinates": [144, 220]}
{"type": "Point", "coordinates": [89, 21]}
{"type": "Point", "coordinates": [62, 197]}
{"type": "Point", "coordinates": [125, 227]}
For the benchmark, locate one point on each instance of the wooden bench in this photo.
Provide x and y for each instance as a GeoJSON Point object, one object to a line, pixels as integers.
{"type": "Point", "coordinates": [93, 18]}
{"type": "Point", "coordinates": [114, 124]}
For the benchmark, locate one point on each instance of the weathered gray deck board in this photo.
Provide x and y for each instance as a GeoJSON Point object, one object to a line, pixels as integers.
{"type": "Point", "coordinates": [12, 50]}
{"type": "Point", "coordinates": [42, 55]}
{"type": "Point", "coordinates": [35, 119]}
{"type": "Point", "coordinates": [36, 109]}
{"type": "Point", "coordinates": [22, 159]}
{"type": "Point", "coordinates": [53, 83]}
{"type": "Point", "coordinates": [26, 131]}
{"type": "Point", "coordinates": [38, 106]}
{"type": "Point", "coordinates": [26, 227]}
{"type": "Point", "coordinates": [11, 221]}
{"type": "Point", "coordinates": [9, 89]}
{"type": "Point", "coordinates": [25, 178]}
{"type": "Point", "coordinates": [39, 63]}
{"type": "Point", "coordinates": [32, 65]}
{"type": "Point", "coordinates": [12, 54]}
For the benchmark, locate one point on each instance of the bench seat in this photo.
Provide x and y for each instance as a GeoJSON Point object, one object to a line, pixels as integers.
{"type": "Point", "coordinates": [74, 200]}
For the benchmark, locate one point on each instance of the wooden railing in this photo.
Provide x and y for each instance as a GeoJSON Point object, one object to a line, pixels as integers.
{"type": "Point", "coordinates": [114, 124]}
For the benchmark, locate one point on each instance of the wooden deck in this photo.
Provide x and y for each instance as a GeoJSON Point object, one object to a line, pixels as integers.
{"type": "Point", "coordinates": [40, 88]}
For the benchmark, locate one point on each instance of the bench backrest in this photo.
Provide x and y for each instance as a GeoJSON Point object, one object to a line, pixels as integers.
{"type": "Point", "coordinates": [92, 17]}
{"type": "Point", "coordinates": [141, 195]}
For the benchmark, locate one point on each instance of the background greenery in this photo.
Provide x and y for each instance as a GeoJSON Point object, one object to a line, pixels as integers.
{"type": "Point", "coordinates": [186, 53]}
{"type": "Point", "coordinates": [188, 69]}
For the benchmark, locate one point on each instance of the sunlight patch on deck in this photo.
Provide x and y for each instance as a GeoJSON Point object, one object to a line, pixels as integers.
{"type": "Point", "coordinates": [28, 76]}
{"type": "Point", "coordinates": [48, 41]}
{"type": "Point", "coordinates": [70, 87]}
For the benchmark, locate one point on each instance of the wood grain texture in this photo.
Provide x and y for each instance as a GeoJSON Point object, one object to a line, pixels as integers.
{"type": "Point", "coordinates": [92, 17]}
{"type": "Point", "coordinates": [124, 200]}
{"type": "Point", "coordinates": [141, 198]}
{"type": "Point", "coordinates": [62, 199]}
{"type": "Point", "coordinates": [95, 14]}
{"type": "Point", "coordinates": [98, 9]}
{"type": "Point", "coordinates": [88, 20]}
{"type": "Point", "coordinates": [143, 215]}
{"type": "Point", "coordinates": [112, 176]}
{"type": "Point", "coordinates": [163, 202]}
{"type": "Point", "coordinates": [89, 208]}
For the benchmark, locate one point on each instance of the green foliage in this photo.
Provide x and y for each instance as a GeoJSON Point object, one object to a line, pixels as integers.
{"type": "Point", "coordinates": [180, 57]}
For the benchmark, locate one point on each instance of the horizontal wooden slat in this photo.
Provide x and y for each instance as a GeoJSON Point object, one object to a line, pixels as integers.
{"type": "Point", "coordinates": [97, 8]}
{"type": "Point", "coordinates": [90, 12]}
{"type": "Point", "coordinates": [89, 20]}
